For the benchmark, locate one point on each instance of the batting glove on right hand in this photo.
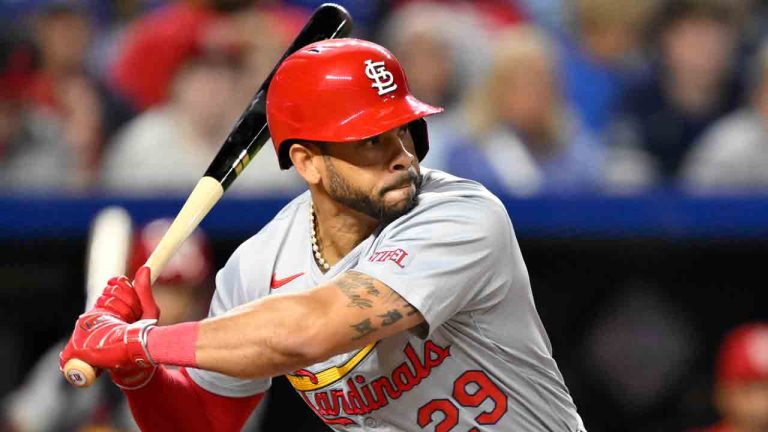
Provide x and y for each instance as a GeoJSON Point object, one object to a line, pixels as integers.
{"type": "Point", "coordinates": [129, 301]}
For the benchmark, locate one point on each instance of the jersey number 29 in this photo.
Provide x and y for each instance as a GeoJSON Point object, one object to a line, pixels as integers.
{"type": "Point", "coordinates": [462, 394]}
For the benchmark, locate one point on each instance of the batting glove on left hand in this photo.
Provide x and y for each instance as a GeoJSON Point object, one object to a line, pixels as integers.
{"type": "Point", "coordinates": [109, 337]}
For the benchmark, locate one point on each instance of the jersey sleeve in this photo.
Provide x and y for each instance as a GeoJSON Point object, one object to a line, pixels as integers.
{"type": "Point", "coordinates": [230, 293]}
{"type": "Point", "coordinates": [445, 257]}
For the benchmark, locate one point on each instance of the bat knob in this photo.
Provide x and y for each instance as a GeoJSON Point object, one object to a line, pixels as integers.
{"type": "Point", "coordinates": [79, 373]}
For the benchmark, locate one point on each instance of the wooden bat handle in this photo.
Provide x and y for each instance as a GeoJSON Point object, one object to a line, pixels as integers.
{"type": "Point", "coordinates": [79, 373]}
{"type": "Point", "coordinates": [204, 196]}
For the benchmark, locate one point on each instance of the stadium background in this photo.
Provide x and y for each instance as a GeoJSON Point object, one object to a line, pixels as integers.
{"type": "Point", "coordinates": [636, 281]}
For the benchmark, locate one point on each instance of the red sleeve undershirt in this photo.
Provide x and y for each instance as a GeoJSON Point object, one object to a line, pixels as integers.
{"type": "Point", "coordinates": [173, 401]}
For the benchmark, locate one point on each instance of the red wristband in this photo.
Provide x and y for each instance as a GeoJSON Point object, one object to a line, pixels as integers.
{"type": "Point", "coordinates": [174, 345]}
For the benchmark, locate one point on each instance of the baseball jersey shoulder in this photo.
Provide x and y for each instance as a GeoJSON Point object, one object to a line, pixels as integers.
{"type": "Point", "coordinates": [245, 278]}
{"type": "Point", "coordinates": [447, 200]}
{"type": "Point", "coordinates": [441, 188]}
{"type": "Point", "coordinates": [246, 275]}
{"type": "Point", "coordinates": [450, 253]}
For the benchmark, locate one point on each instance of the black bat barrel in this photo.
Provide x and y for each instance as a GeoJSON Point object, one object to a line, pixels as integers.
{"type": "Point", "coordinates": [250, 132]}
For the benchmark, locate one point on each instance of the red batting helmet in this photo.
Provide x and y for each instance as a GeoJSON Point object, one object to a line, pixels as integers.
{"type": "Point", "coordinates": [744, 354]}
{"type": "Point", "coordinates": [191, 264]}
{"type": "Point", "coordinates": [342, 90]}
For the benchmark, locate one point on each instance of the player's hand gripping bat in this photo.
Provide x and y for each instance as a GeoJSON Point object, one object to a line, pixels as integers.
{"type": "Point", "coordinates": [109, 248]}
{"type": "Point", "coordinates": [247, 137]}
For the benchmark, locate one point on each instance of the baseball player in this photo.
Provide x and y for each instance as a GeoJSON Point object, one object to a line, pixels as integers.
{"type": "Point", "coordinates": [393, 297]}
{"type": "Point", "coordinates": [741, 384]}
{"type": "Point", "coordinates": [43, 403]}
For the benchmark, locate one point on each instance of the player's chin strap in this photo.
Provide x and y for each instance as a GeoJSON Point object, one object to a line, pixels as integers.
{"type": "Point", "coordinates": [135, 339]}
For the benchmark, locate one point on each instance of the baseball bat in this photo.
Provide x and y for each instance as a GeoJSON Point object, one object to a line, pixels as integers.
{"type": "Point", "coordinates": [247, 137]}
{"type": "Point", "coordinates": [109, 246]}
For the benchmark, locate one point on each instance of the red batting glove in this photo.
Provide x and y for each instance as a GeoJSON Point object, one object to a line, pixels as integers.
{"type": "Point", "coordinates": [109, 337]}
{"type": "Point", "coordinates": [129, 301]}
{"type": "Point", "coordinates": [142, 286]}
{"type": "Point", "coordinates": [119, 299]}
{"type": "Point", "coordinates": [107, 342]}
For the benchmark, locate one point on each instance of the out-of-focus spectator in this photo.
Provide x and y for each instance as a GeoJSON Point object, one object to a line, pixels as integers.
{"type": "Point", "coordinates": [167, 148]}
{"type": "Point", "coordinates": [732, 155]}
{"type": "Point", "coordinates": [431, 50]}
{"type": "Point", "coordinates": [86, 111]}
{"type": "Point", "coordinates": [548, 14]}
{"type": "Point", "coordinates": [741, 393]}
{"type": "Point", "coordinates": [32, 153]}
{"type": "Point", "coordinates": [157, 44]}
{"type": "Point", "coordinates": [692, 87]}
{"type": "Point", "coordinates": [521, 136]}
{"type": "Point", "coordinates": [752, 19]}
{"type": "Point", "coordinates": [495, 14]}
{"type": "Point", "coordinates": [263, 35]}
{"type": "Point", "coordinates": [640, 348]}
{"type": "Point", "coordinates": [46, 402]}
{"type": "Point", "coordinates": [109, 21]}
{"type": "Point", "coordinates": [441, 55]}
{"type": "Point", "coordinates": [599, 55]}
{"type": "Point", "coordinates": [366, 13]}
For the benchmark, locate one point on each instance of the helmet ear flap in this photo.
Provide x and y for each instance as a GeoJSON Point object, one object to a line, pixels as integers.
{"type": "Point", "coordinates": [282, 154]}
{"type": "Point", "coordinates": [418, 130]}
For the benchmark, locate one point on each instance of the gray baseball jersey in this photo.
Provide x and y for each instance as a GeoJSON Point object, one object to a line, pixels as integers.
{"type": "Point", "coordinates": [485, 362]}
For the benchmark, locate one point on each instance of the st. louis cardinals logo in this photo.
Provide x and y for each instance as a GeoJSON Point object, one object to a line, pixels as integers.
{"type": "Point", "coordinates": [381, 77]}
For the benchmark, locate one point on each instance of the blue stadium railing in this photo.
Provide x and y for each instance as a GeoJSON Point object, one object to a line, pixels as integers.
{"type": "Point", "coordinates": [662, 214]}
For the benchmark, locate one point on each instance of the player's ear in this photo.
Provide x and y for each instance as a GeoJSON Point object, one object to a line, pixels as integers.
{"type": "Point", "coordinates": [302, 156]}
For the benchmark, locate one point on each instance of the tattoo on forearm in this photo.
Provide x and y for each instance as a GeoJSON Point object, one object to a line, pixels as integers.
{"type": "Point", "coordinates": [351, 285]}
{"type": "Point", "coordinates": [394, 298]}
{"type": "Point", "coordinates": [391, 317]}
{"type": "Point", "coordinates": [365, 282]}
{"type": "Point", "coordinates": [362, 293]}
{"type": "Point", "coordinates": [411, 309]}
{"type": "Point", "coordinates": [355, 300]}
{"type": "Point", "coordinates": [363, 328]}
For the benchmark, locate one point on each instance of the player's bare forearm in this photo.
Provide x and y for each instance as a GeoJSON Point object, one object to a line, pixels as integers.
{"type": "Point", "coordinates": [282, 333]}
{"type": "Point", "coordinates": [383, 311]}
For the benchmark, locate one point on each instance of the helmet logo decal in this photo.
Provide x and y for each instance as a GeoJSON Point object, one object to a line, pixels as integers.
{"type": "Point", "coordinates": [381, 77]}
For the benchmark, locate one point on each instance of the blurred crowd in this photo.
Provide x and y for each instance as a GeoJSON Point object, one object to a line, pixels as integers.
{"type": "Point", "coordinates": [134, 97]}
{"type": "Point", "coordinates": [552, 97]}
